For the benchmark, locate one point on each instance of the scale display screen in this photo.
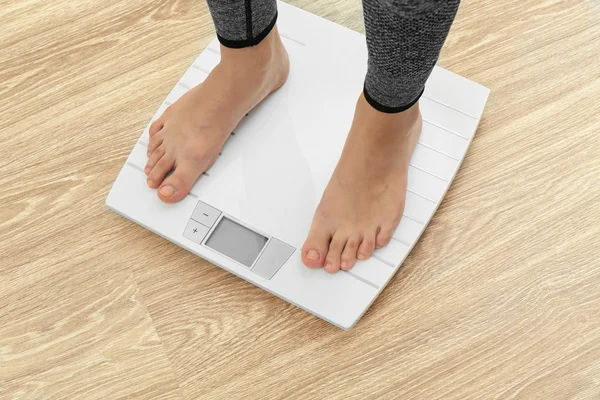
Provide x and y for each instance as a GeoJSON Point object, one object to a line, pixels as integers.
{"type": "Point", "coordinates": [236, 242]}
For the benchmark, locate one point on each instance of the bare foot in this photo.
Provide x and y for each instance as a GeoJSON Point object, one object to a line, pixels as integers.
{"type": "Point", "coordinates": [189, 135]}
{"type": "Point", "coordinates": [364, 200]}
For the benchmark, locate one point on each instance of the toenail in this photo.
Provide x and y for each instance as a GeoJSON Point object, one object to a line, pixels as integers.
{"type": "Point", "coordinates": [362, 257]}
{"type": "Point", "coordinates": [344, 264]}
{"type": "Point", "coordinates": [328, 266]}
{"type": "Point", "coordinates": [149, 181]}
{"type": "Point", "coordinates": [167, 191]}
{"type": "Point", "coordinates": [313, 255]}
{"type": "Point", "coordinates": [147, 169]}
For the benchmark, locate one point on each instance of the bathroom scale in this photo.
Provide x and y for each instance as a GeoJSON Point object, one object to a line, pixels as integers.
{"type": "Point", "coordinates": [251, 211]}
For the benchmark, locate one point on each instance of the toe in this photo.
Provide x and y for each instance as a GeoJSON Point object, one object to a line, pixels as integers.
{"type": "Point", "coordinates": [367, 247]}
{"type": "Point", "coordinates": [154, 157]}
{"type": "Point", "coordinates": [384, 236]}
{"type": "Point", "coordinates": [316, 246]}
{"type": "Point", "coordinates": [156, 126]}
{"type": "Point", "coordinates": [160, 170]}
{"type": "Point", "coordinates": [154, 143]}
{"type": "Point", "coordinates": [349, 253]}
{"type": "Point", "coordinates": [334, 255]}
{"type": "Point", "coordinates": [179, 183]}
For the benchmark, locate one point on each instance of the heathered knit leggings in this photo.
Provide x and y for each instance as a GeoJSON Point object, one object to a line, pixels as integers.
{"type": "Point", "coordinates": [404, 39]}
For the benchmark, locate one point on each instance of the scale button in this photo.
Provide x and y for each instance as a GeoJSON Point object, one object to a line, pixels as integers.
{"type": "Point", "coordinates": [195, 231]}
{"type": "Point", "coordinates": [272, 258]}
{"type": "Point", "coordinates": [205, 214]}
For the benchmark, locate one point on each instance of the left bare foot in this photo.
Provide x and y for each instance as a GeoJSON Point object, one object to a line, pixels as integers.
{"type": "Point", "coordinates": [189, 135]}
{"type": "Point", "coordinates": [364, 200]}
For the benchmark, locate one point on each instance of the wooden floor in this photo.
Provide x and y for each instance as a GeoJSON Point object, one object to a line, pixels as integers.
{"type": "Point", "coordinates": [500, 299]}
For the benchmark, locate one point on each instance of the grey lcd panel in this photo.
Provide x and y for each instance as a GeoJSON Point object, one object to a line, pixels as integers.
{"type": "Point", "coordinates": [236, 242]}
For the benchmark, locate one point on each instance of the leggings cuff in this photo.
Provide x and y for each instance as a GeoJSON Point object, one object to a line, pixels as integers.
{"type": "Point", "coordinates": [387, 109]}
{"type": "Point", "coordinates": [251, 41]}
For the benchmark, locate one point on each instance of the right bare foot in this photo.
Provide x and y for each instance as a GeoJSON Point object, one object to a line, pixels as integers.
{"type": "Point", "coordinates": [189, 135]}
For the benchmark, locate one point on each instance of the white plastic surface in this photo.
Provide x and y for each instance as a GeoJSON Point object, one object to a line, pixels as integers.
{"type": "Point", "coordinates": [272, 172]}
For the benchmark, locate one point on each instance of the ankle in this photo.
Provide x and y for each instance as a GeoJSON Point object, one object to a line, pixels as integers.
{"type": "Point", "coordinates": [395, 121]}
{"type": "Point", "coordinates": [261, 57]}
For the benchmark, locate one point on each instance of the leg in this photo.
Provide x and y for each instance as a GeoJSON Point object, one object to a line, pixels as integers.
{"type": "Point", "coordinates": [188, 137]}
{"type": "Point", "coordinates": [364, 200]}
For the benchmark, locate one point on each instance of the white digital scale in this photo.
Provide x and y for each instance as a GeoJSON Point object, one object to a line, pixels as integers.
{"type": "Point", "coordinates": [251, 212]}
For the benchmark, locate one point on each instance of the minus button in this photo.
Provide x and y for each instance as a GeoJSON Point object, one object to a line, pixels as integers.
{"type": "Point", "coordinates": [205, 214]}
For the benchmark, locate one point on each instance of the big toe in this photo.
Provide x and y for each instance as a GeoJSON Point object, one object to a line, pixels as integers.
{"type": "Point", "coordinates": [175, 187]}
{"type": "Point", "coordinates": [159, 165]}
{"type": "Point", "coordinates": [316, 246]}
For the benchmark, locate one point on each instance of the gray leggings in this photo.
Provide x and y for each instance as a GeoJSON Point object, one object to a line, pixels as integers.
{"type": "Point", "coordinates": [404, 39]}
